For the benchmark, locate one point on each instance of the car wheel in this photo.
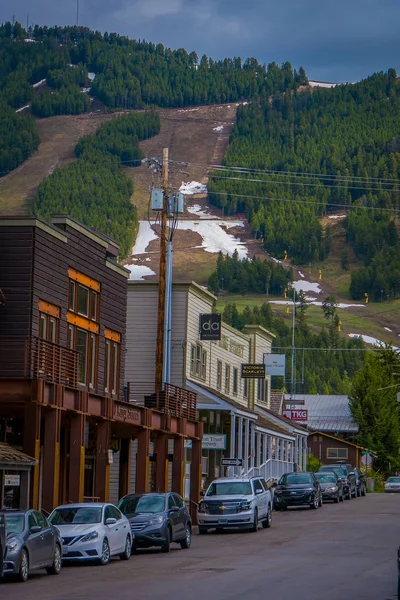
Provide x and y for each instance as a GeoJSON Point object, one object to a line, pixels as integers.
{"type": "Point", "coordinates": [186, 542]}
{"type": "Point", "coordinates": [202, 530]}
{"type": "Point", "coordinates": [23, 572]}
{"type": "Point", "coordinates": [105, 553]}
{"type": "Point", "coordinates": [126, 554]}
{"type": "Point", "coordinates": [315, 503]}
{"type": "Point", "coordinates": [254, 527]}
{"type": "Point", "coordinates": [167, 544]}
{"type": "Point", "coordinates": [268, 521]}
{"type": "Point", "coordinates": [56, 566]}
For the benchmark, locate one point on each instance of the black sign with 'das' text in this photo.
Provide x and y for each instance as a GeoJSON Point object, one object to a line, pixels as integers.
{"type": "Point", "coordinates": [210, 327]}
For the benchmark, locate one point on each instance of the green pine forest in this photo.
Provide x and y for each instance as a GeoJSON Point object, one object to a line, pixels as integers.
{"type": "Point", "coordinates": [94, 188]}
{"type": "Point", "coordinates": [327, 151]}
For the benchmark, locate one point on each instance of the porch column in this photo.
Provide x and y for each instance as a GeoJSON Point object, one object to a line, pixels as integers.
{"type": "Point", "coordinates": [178, 465]}
{"type": "Point", "coordinates": [269, 446]}
{"type": "Point", "coordinates": [51, 459]}
{"type": "Point", "coordinates": [264, 439]}
{"type": "Point", "coordinates": [240, 441]}
{"type": "Point", "coordinates": [102, 468]}
{"type": "Point", "coordinates": [305, 453]}
{"type": "Point", "coordinates": [296, 452]}
{"type": "Point", "coordinates": [76, 475]}
{"type": "Point", "coordinates": [252, 445]}
{"type": "Point", "coordinates": [161, 450]}
{"type": "Point", "coordinates": [247, 443]}
{"type": "Point", "coordinates": [195, 478]}
{"type": "Point", "coordinates": [231, 470]}
{"type": "Point", "coordinates": [124, 466]}
{"type": "Point", "coordinates": [142, 462]}
{"type": "Point", "coordinates": [31, 447]}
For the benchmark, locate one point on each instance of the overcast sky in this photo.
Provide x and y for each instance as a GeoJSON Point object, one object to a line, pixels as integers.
{"type": "Point", "coordinates": [339, 40]}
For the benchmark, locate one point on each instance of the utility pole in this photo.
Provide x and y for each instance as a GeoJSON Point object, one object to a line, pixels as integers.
{"type": "Point", "coordinates": [293, 386]}
{"type": "Point", "coordinates": [162, 277]}
{"type": "Point", "coordinates": [77, 13]}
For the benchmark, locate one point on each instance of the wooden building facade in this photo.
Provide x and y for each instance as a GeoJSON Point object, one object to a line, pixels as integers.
{"type": "Point", "coordinates": [331, 450]}
{"type": "Point", "coordinates": [62, 361]}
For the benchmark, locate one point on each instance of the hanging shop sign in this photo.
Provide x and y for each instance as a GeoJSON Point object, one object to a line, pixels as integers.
{"type": "Point", "coordinates": [210, 327]}
{"type": "Point", "coordinates": [253, 371]}
{"type": "Point", "coordinates": [214, 441]}
{"type": "Point", "coordinates": [296, 415]}
{"type": "Point", "coordinates": [12, 480]}
{"type": "Point", "coordinates": [275, 364]}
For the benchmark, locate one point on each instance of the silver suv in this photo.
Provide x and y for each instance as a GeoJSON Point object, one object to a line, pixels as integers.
{"type": "Point", "coordinates": [239, 502]}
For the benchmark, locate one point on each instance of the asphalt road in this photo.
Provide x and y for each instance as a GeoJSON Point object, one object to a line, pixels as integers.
{"type": "Point", "coordinates": [336, 552]}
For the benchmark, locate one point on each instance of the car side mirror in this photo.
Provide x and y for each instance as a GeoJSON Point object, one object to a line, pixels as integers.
{"type": "Point", "coordinates": [35, 529]}
{"type": "Point", "coordinates": [111, 521]}
{"type": "Point", "coordinates": [352, 473]}
{"type": "Point", "coordinates": [259, 492]}
{"type": "Point", "coordinates": [174, 509]}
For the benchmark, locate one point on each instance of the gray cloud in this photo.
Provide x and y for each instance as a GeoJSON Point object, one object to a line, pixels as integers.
{"type": "Point", "coordinates": [338, 41]}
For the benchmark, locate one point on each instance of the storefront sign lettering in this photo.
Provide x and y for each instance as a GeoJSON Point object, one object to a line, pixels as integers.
{"type": "Point", "coordinates": [253, 371]}
{"type": "Point", "coordinates": [296, 415]}
{"type": "Point", "coordinates": [126, 413]}
{"type": "Point", "coordinates": [12, 480]}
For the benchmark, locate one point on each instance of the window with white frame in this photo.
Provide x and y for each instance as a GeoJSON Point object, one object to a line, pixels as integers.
{"type": "Point", "coordinates": [336, 453]}
{"type": "Point", "coordinates": [219, 374]}
{"type": "Point", "coordinates": [227, 378]}
{"type": "Point", "coordinates": [198, 363]}
{"type": "Point", "coordinates": [261, 390]}
{"type": "Point", "coordinates": [245, 388]}
{"type": "Point", "coordinates": [235, 380]}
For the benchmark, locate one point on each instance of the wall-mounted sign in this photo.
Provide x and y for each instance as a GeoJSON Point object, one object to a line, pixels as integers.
{"type": "Point", "coordinates": [296, 415]}
{"type": "Point", "coordinates": [110, 456]}
{"type": "Point", "coordinates": [214, 441]}
{"type": "Point", "coordinates": [232, 462]}
{"type": "Point", "coordinates": [210, 327]}
{"type": "Point", "coordinates": [275, 364]}
{"type": "Point", "coordinates": [188, 443]}
{"type": "Point", "coordinates": [12, 480]}
{"type": "Point", "coordinates": [253, 371]}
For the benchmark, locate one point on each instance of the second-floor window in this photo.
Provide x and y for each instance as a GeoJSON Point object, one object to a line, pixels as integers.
{"type": "Point", "coordinates": [245, 388]}
{"type": "Point", "coordinates": [235, 381]}
{"type": "Point", "coordinates": [83, 301]}
{"type": "Point", "coordinates": [86, 343]}
{"type": "Point", "coordinates": [227, 378]}
{"type": "Point", "coordinates": [261, 390]}
{"type": "Point", "coordinates": [198, 361]}
{"type": "Point", "coordinates": [112, 366]}
{"type": "Point", "coordinates": [219, 374]}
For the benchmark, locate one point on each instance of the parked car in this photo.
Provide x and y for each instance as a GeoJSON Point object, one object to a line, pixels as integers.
{"type": "Point", "coordinates": [32, 543]}
{"type": "Point", "coordinates": [296, 489]}
{"type": "Point", "coordinates": [347, 477]}
{"type": "Point", "coordinates": [240, 502]}
{"type": "Point", "coordinates": [331, 486]}
{"type": "Point", "coordinates": [3, 536]}
{"type": "Point", "coordinates": [361, 482]}
{"type": "Point", "coordinates": [157, 520]}
{"type": "Point", "coordinates": [392, 485]}
{"type": "Point", "coordinates": [92, 531]}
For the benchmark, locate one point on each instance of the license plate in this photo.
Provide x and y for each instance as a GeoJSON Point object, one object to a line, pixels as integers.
{"type": "Point", "coordinates": [222, 521]}
{"type": "Point", "coordinates": [65, 550]}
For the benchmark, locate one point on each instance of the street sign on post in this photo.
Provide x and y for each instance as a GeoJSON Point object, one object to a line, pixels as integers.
{"type": "Point", "coordinates": [232, 462]}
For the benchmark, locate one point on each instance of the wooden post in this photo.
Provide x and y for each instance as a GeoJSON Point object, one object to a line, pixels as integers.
{"type": "Point", "coordinates": [142, 462]}
{"type": "Point", "coordinates": [178, 465]}
{"type": "Point", "coordinates": [195, 478]}
{"type": "Point", "coordinates": [102, 468]}
{"type": "Point", "coordinates": [32, 448]}
{"type": "Point", "coordinates": [162, 279]}
{"type": "Point", "coordinates": [76, 458]}
{"type": "Point", "coordinates": [51, 459]}
{"type": "Point", "coordinates": [161, 450]}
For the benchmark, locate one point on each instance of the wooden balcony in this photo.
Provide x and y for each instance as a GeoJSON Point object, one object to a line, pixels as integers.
{"type": "Point", "coordinates": [171, 400]}
{"type": "Point", "coordinates": [37, 359]}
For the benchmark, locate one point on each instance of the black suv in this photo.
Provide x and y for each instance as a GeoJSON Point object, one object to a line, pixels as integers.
{"type": "Point", "coordinates": [346, 475]}
{"type": "Point", "coordinates": [157, 519]}
{"type": "Point", "coordinates": [296, 489]}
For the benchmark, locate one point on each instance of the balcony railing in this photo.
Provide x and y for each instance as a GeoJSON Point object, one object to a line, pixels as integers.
{"type": "Point", "coordinates": [37, 359]}
{"type": "Point", "coordinates": [171, 399]}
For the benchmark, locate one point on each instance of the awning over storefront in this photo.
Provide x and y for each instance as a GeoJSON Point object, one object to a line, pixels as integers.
{"type": "Point", "coordinates": [11, 458]}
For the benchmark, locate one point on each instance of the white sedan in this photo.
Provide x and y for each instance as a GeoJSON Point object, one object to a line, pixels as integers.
{"type": "Point", "coordinates": [93, 531]}
{"type": "Point", "coordinates": [392, 485]}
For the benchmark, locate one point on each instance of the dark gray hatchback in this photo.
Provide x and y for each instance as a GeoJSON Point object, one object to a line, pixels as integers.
{"type": "Point", "coordinates": [32, 543]}
{"type": "Point", "coordinates": [157, 520]}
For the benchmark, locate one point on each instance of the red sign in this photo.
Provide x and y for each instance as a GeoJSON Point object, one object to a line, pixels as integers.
{"type": "Point", "coordinates": [296, 415]}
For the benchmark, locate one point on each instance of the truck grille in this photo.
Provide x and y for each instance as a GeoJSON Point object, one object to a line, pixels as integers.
{"type": "Point", "coordinates": [223, 508]}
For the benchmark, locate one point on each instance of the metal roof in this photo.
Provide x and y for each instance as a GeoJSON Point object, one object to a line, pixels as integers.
{"type": "Point", "coordinates": [325, 412]}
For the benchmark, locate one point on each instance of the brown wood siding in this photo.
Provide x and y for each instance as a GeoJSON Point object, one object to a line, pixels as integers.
{"type": "Point", "coordinates": [52, 259]}
{"type": "Point", "coordinates": [16, 249]}
{"type": "Point", "coordinates": [318, 446]}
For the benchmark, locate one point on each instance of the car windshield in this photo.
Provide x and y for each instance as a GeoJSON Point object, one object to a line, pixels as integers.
{"type": "Point", "coordinates": [142, 504]}
{"type": "Point", "coordinates": [393, 480]}
{"type": "Point", "coordinates": [325, 478]}
{"type": "Point", "coordinates": [229, 488]}
{"type": "Point", "coordinates": [295, 478]}
{"type": "Point", "coordinates": [342, 471]}
{"type": "Point", "coordinates": [15, 524]}
{"type": "Point", "coordinates": [76, 516]}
